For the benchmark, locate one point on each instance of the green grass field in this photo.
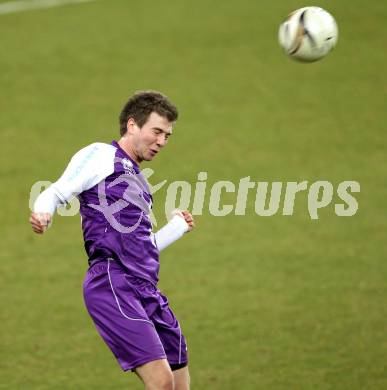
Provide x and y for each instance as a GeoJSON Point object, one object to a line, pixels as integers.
{"type": "Point", "coordinates": [268, 303]}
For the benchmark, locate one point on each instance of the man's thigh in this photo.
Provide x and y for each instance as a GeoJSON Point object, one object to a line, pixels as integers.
{"type": "Point", "coordinates": [168, 329]}
{"type": "Point", "coordinates": [120, 318]}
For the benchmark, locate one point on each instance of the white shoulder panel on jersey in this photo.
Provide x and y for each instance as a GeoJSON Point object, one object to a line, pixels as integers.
{"type": "Point", "coordinates": [87, 168]}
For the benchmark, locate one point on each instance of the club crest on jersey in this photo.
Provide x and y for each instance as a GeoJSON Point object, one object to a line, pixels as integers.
{"type": "Point", "coordinates": [128, 166]}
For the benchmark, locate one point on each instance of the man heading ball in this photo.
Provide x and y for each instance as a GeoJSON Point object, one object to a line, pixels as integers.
{"type": "Point", "coordinates": [120, 288]}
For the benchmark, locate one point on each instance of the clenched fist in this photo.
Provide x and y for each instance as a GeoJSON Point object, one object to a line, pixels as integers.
{"type": "Point", "coordinates": [40, 222]}
{"type": "Point", "coordinates": [187, 216]}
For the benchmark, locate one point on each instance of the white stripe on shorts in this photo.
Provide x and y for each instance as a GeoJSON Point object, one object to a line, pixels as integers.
{"type": "Point", "coordinates": [179, 344]}
{"type": "Point", "coordinates": [118, 304]}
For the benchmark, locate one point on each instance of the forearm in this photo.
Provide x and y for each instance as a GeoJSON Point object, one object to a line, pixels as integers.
{"type": "Point", "coordinates": [47, 201]}
{"type": "Point", "coordinates": [171, 232]}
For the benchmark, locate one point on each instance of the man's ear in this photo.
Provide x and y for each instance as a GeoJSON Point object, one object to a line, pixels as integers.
{"type": "Point", "coordinates": [130, 125]}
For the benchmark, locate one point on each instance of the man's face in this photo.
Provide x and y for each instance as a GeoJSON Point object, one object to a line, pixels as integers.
{"type": "Point", "coordinates": [148, 140]}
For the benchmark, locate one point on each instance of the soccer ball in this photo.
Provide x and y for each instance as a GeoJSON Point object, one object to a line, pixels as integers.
{"type": "Point", "coordinates": [308, 34]}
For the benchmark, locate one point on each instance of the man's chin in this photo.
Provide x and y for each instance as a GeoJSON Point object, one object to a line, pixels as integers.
{"type": "Point", "coordinates": [148, 158]}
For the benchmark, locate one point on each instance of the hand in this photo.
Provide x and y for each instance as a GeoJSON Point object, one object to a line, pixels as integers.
{"type": "Point", "coordinates": [40, 222]}
{"type": "Point", "coordinates": [187, 216]}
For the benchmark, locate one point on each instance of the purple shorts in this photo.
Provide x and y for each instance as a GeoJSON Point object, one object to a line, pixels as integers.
{"type": "Point", "coordinates": [132, 317]}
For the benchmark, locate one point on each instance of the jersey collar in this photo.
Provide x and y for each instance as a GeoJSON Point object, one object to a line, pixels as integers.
{"type": "Point", "coordinates": [123, 154]}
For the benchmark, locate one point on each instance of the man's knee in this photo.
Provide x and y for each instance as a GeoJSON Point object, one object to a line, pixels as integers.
{"type": "Point", "coordinates": [156, 375]}
{"type": "Point", "coordinates": [163, 381]}
{"type": "Point", "coordinates": [181, 379]}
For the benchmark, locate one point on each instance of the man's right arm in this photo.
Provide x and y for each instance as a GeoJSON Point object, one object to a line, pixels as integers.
{"type": "Point", "coordinates": [87, 167]}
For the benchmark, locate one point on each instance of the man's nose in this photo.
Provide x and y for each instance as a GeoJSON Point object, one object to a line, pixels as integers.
{"type": "Point", "coordinates": [161, 140]}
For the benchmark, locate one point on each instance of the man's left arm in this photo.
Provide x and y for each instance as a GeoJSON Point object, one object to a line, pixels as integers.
{"type": "Point", "coordinates": [180, 223]}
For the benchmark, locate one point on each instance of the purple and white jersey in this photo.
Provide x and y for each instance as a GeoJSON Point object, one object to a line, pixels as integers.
{"type": "Point", "coordinates": [115, 203]}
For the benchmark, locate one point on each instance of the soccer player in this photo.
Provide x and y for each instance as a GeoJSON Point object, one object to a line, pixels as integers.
{"type": "Point", "coordinates": [120, 288]}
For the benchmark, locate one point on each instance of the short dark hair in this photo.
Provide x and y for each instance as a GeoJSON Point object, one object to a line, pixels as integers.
{"type": "Point", "coordinates": [142, 104]}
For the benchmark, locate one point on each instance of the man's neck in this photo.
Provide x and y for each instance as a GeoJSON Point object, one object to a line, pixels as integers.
{"type": "Point", "coordinates": [128, 150]}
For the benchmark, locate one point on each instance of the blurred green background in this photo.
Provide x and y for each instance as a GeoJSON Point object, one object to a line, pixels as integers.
{"type": "Point", "coordinates": [265, 302]}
